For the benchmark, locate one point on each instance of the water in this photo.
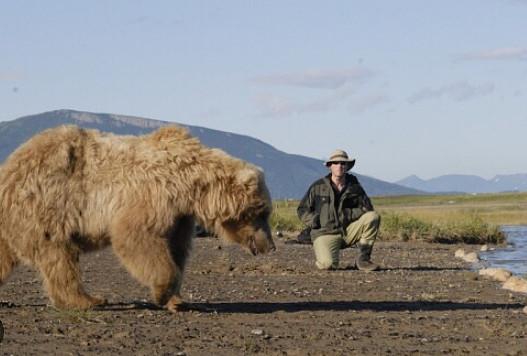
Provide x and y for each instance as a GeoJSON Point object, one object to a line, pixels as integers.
{"type": "Point", "coordinates": [513, 257]}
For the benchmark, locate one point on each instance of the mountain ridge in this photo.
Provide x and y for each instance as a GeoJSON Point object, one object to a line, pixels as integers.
{"type": "Point", "coordinates": [288, 175]}
{"type": "Point", "coordinates": [467, 183]}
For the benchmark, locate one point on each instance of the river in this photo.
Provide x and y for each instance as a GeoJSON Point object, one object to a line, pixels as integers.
{"type": "Point", "coordinates": [513, 257]}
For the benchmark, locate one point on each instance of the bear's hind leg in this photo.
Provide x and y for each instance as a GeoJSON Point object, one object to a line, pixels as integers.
{"type": "Point", "coordinates": [62, 279]}
{"type": "Point", "coordinates": [7, 260]}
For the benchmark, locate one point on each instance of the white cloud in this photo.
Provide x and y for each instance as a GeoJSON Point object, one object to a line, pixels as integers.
{"type": "Point", "coordinates": [367, 102]}
{"type": "Point", "coordinates": [273, 105]}
{"type": "Point", "coordinates": [514, 53]}
{"type": "Point", "coordinates": [459, 91]}
{"type": "Point", "coordinates": [337, 84]}
{"type": "Point", "coordinates": [11, 75]}
{"type": "Point", "coordinates": [320, 79]}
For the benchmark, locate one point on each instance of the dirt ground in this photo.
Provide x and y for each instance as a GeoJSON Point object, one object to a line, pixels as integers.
{"type": "Point", "coordinates": [423, 302]}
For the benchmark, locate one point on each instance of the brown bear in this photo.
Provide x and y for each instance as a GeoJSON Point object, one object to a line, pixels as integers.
{"type": "Point", "coordinates": [70, 190]}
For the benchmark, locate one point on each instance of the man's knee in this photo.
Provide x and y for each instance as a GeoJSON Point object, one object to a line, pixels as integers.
{"type": "Point", "coordinates": [371, 218]}
{"type": "Point", "coordinates": [326, 265]}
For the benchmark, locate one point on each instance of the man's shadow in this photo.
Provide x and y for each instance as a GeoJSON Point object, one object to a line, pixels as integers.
{"type": "Point", "coordinates": [416, 268]}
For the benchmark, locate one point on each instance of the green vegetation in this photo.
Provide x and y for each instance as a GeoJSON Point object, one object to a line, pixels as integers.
{"type": "Point", "coordinates": [403, 227]}
{"type": "Point", "coordinates": [495, 209]}
{"type": "Point", "coordinates": [437, 218]}
{"type": "Point", "coordinates": [284, 216]}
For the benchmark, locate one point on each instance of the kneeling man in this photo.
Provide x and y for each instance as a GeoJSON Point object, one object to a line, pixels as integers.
{"type": "Point", "coordinates": [340, 215]}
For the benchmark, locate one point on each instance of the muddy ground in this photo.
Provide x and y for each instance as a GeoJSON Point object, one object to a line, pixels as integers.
{"type": "Point", "coordinates": [423, 302]}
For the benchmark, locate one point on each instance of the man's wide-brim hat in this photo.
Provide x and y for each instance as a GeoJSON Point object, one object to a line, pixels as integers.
{"type": "Point", "coordinates": [340, 156]}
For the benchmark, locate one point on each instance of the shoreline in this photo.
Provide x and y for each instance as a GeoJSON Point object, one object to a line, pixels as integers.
{"type": "Point", "coordinates": [509, 280]}
{"type": "Point", "coordinates": [424, 301]}
{"type": "Point", "coordinates": [513, 255]}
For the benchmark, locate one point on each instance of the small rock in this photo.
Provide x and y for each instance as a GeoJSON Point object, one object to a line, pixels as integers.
{"type": "Point", "coordinates": [428, 296]}
{"type": "Point", "coordinates": [471, 257]}
{"type": "Point", "coordinates": [121, 335]}
{"type": "Point", "coordinates": [498, 274]}
{"type": "Point", "coordinates": [279, 234]}
{"type": "Point", "coordinates": [525, 310]}
{"type": "Point", "coordinates": [516, 285]}
{"type": "Point", "coordinates": [484, 248]}
{"type": "Point", "coordinates": [257, 332]}
{"type": "Point", "coordinates": [460, 253]}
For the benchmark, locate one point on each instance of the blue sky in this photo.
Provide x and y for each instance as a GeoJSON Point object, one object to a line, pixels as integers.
{"type": "Point", "coordinates": [406, 87]}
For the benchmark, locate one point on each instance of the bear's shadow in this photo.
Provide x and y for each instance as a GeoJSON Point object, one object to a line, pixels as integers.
{"type": "Point", "coordinates": [293, 307]}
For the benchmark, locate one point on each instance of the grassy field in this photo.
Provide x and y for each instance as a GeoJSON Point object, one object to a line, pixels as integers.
{"type": "Point", "coordinates": [438, 218]}
{"type": "Point", "coordinates": [499, 209]}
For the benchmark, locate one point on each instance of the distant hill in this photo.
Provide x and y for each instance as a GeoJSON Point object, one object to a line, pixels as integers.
{"type": "Point", "coordinates": [287, 175]}
{"type": "Point", "coordinates": [458, 183]}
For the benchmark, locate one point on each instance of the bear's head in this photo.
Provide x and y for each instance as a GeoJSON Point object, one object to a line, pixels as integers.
{"type": "Point", "coordinates": [237, 207]}
{"type": "Point", "coordinates": [250, 227]}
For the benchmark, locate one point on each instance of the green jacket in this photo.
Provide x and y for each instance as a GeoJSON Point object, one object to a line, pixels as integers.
{"type": "Point", "coordinates": [317, 208]}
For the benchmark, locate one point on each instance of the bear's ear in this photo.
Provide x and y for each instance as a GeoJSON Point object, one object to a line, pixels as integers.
{"type": "Point", "coordinates": [170, 133]}
{"type": "Point", "coordinates": [247, 177]}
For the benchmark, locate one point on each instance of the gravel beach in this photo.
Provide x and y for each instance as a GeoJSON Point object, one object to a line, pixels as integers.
{"type": "Point", "coordinates": [424, 301]}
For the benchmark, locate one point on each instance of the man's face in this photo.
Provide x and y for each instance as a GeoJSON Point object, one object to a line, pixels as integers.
{"type": "Point", "coordinates": [338, 169]}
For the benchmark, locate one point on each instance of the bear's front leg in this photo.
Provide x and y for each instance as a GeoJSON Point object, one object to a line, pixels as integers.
{"type": "Point", "coordinates": [180, 242]}
{"type": "Point", "coordinates": [174, 303]}
{"type": "Point", "coordinates": [155, 255]}
{"type": "Point", "coordinates": [149, 259]}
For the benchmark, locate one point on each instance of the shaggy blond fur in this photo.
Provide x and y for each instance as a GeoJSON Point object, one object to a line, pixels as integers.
{"type": "Point", "coordinates": [70, 190]}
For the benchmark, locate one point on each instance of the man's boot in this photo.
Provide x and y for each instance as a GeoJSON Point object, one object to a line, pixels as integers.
{"type": "Point", "coordinates": [363, 259]}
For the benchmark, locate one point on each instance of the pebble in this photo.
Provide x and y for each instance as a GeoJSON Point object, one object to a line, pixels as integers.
{"type": "Point", "coordinates": [498, 274]}
{"type": "Point", "coordinates": [516, 285]}
{"type": "Point", "coordinates": [460, 253]}
{"type": "Point", "coordinates": [471, 257]}
{"type": "Point", "coordinates": [257, 332]}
